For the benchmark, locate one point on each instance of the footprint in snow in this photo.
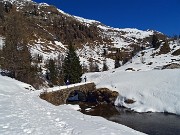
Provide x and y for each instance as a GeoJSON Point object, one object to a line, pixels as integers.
{"type": "Point", "coordinates": [57, 119]}
{"type": "Point", "coordinates": [24, 125]}
{"type": "Point", "coordinates": [6, 126]}
{"type": "Point", "coordinates": [61, 124]}
{"type": "Point", "coordinates": [48, 113]}
{"type": "Point", "coordinates": [28, 131]}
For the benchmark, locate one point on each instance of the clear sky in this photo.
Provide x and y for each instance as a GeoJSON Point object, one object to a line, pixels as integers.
{"type": "Point", "coordinates": [160, 15]}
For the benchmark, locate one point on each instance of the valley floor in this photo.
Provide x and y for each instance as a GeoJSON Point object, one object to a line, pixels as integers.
{"type": "Point", "coordinates": [23, 112]}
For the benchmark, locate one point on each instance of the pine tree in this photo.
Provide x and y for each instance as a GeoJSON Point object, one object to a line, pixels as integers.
{"type": "Point", "coordinates": [96, 67]}
{"type": "Point", "coordinates": [1, 11]}
{"type": "Point", "coordinates": [72, 68]}
{"type": "Point", "coordinates": [60, 60]}
{"type": "Point", "coordinates": [16, 57]}
{"type": "Point", "coordinates": [105, 67]}
{"type": "Point", "coordinates": [117, 59]}
{"type": "Point", "coordinates": [104, 52]}
{"type": "Point", "coordinates": [52, 72]}
{"type": "Point", "coordinates": [155, 42]}
{"type": "Point", "coordinates": [93, 66]}
{"type": "Point", "coordinates": [117, 63]}
{"type": "Point", "coordinates": [165, 48]}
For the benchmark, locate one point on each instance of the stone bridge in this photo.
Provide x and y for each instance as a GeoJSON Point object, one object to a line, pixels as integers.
{"type": "Point", "coordinates": [89, 89]}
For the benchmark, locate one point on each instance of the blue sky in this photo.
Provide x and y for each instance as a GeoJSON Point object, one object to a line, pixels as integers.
{"type": "Point", "coordinates": [160, 15]}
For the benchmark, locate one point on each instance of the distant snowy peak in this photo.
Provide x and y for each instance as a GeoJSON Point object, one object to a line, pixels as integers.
{"type": "Point", "coordinates": [80, 19]}
{"type": "Point", "coordinates": [86, 21]}
{"type": "Point", "coordinates": [18, 3]}
{"type": "Point", "coordinates": [138, 34]}
{"type": "Point", "coordinates": [15, 1]}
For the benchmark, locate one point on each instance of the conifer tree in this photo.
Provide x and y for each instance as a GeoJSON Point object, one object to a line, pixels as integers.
{"type": "Point", "coordinates": [117, 63]}
{"type": "Point", "coordinates": [155, 42]}
{"type": "Point", "coordinates": [16, 57]}
{"type": "Point", "coordinates": [59, 63]}
{"type": "Point", "coordinates": [165, 48]}
{"type": "Point", "coordinates": [52, 72]}
{"type": "Point", "coordinates": [117, 59]}
{"type": "Point", "coordinates": [93, 66]}
{"type": "Point", "coordinates": [105, 67]}
{"type": "Point", "coordinates": [96, 67]}
{"type": "Point", "coordinates": [72, 68]}
{"type": "Point", "coordinates": [1, 11]}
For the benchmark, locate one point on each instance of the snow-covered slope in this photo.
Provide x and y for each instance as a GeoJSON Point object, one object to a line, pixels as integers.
{"type": "Point", "coordinates": [148, 61]}
{"type": "Point", "coordinates": [17, 2]}
{"type": "Point", "coordinates": [151, 59]}
{"type": "Point", "coordinates": [22, 112]}
{"type": "Point", "coordinates": [49, 43]}
{"type": "Point", "coordinates": [154, 90]}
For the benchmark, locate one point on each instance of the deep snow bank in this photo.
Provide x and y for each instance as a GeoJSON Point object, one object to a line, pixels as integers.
{"type": "Point", "coordinates": [155, 90]}
{"type": "Point", "coordinates": [22, 112]}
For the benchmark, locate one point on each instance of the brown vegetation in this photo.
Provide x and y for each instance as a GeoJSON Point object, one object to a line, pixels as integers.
{"type": "Point", "coordinates": [176, 53]}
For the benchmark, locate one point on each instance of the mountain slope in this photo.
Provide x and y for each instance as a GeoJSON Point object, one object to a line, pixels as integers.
{"type": "Point", "coordinates": [50, 30]}
{"type": "Point", "coordinates": [48, 24]}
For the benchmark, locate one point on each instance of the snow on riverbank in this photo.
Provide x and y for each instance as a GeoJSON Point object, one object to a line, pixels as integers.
{"type": "Point", "coordinates": [22, 112]}
{"type": "Point", "coordinates": [154, 90]}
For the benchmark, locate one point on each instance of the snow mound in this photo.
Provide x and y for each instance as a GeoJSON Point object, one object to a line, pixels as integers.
{"type": "Point", "coordinates": [152, 91]}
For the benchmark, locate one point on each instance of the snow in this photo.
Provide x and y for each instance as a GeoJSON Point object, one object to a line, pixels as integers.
{"type": "Point", "coordinates": [152, 59]}
{"type": "Point", "coordinates": [43, 4]}
{"type": "Point", "coordinates": [138, 34]}
{"type": "Point", "coordinates": [80, 19]}
{"type": "Point", "coordinates": [152, 90]}
{"type": "Point", "coordinates": [1, 42]}
{"type": "Point", "coordinates": [63, 12]}
{"type": "Point", "coordinates": [48, 50]}
{"type": "Point", "coordinates": [60, 44]}
{"type": "Point", "coordinates": [129, 32]}
{"type": "Point", "coordinates": [64, 87]}
{"type": "Point", "coordinates": [16, 0]}
{"type": "Point", "coordinates": [86, 21]}
{"type": "Point", "coordinates": [22, 112]}
{"type": "Point", "coordinates": [157, 61]}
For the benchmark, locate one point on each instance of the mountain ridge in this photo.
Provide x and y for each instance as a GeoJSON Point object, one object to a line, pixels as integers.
{"type": "Point", "coordinates": [51, 30]}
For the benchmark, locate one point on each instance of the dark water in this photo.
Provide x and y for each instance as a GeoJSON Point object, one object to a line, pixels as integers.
{"type": "Point", "coordinates": [149, 123]}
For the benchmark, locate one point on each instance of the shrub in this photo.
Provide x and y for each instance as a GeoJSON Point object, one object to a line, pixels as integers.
{"type": "Point", "coordinates": [165, 48]}
{"type": "Point", "coordinates": [176, 53]}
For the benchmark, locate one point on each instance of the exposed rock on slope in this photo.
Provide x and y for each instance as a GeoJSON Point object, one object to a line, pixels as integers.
{"type": "Point", "coordinates": [50, 30]}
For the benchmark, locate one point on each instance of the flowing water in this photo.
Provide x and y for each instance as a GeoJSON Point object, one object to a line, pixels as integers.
{"type": "Point", "coordinates": [149, 123]}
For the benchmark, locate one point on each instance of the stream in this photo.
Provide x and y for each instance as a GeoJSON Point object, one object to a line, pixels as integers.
{"type": "Point", "coordinates": [149, 123]}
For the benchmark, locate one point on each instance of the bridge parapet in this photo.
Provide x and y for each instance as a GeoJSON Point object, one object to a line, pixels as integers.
{"type": "Point", "coordinates": [60, 96]}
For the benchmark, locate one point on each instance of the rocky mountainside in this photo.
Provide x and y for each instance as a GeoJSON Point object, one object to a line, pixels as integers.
{"type": "Point", "coordinates": [50, 30]}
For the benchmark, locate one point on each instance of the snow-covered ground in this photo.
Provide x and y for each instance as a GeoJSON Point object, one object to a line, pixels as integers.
{"type": "Point", "coordinates": [152, 91]}
{"type": "Point", "coordinates": [22, 112]}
